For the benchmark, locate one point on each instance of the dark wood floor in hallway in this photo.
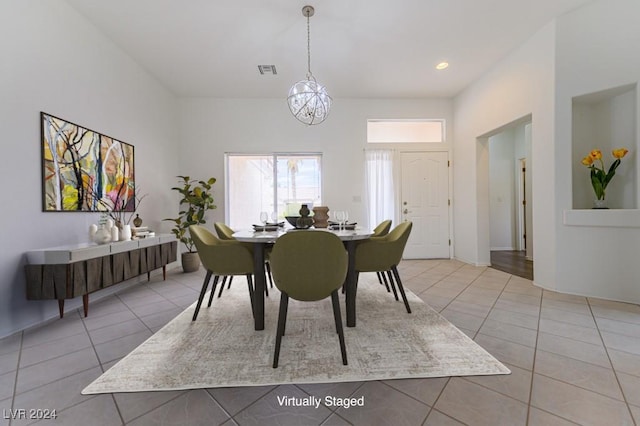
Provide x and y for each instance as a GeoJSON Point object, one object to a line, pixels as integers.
{"type": "Point", "coordinates": [513, 262]}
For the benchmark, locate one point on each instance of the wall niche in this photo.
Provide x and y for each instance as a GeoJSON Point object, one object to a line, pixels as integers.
{"type": "Point", "coordinates": [605, 120]}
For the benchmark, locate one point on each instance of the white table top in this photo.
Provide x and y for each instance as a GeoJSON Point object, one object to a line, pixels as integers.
{"type": "Point", "coordinates": [83, 251]}
{"type": "Point", "coordinates": [251, 236]}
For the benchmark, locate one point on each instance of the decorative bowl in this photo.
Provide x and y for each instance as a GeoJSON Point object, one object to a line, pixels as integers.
{"type": "Point", "coordinates": [292, 220]}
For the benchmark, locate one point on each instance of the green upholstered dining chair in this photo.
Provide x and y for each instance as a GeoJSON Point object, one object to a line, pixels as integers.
{"type": "Point", "coordinates": [309, 266]}
{"type": "Point", "coordinates": [383, 254]}
{"type": "Point", "coordinates": [380, 231]}
{"type": "Point", "coordinates": [221, 258]}
{"type": "Point", "coordinates": [226, 233]}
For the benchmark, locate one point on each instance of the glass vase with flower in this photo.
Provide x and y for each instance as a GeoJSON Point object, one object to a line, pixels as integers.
{"type": "Point", "coordinates": [600, 175]}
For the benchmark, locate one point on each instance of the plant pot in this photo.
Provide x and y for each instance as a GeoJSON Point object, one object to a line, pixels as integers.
{"type": "Point", "coordinates": [190, 261]}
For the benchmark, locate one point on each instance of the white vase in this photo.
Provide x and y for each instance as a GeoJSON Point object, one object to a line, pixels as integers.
{"type": "Point", "coordinates": [102, 235]}
{"type": "Point", "coordinates": [125, 234]}
{"type": "Point", "coordinates": [93, 228]}
{"type": "Point", "coordinates": [109, 224]}
{"type": "Point", "coordinates": [115, 233]}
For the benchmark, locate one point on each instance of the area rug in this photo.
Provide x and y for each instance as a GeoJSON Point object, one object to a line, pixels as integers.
{"type": "Point", "coordinates": [221, 348]}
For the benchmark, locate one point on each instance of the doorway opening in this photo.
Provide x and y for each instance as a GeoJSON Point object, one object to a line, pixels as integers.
{"type": "Point", "coordinates": [509, 205]}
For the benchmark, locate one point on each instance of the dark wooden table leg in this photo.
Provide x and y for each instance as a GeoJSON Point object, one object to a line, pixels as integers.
{"type": "Point", "coordinates": [350, 292]}
{"type": "Point", "coordinates": [61, 307]}
{"type": "Point", "coordinates": [164, 273]}
{"type": "Point", "coordinates": [260, 282]}
{"type": "Point", "coordinates": [85, 304]}
{"type": "Point", "coordinates": [148, 276]}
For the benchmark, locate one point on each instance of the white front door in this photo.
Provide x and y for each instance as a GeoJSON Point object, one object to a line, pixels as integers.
{"type": "Point", "coordinates": [425, 202]}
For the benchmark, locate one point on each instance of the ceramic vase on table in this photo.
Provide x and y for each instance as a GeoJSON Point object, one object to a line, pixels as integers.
{"type": "Point", "coordinates": [115, 234]}
{"type": "Point", "coordinates": [125, 233]}
{"type": "Point", "coordinates": [93, 228]}
{"type": "Point", "coordinates": [102, 235]}
{"type": "Point", "coordinates": [320, 216]}
{"type": "Point", "coordinates": [304, 221]}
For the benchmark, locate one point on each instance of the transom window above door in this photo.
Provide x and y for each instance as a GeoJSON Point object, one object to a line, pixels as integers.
{"type": "Point", "coordinates": [405, 131]}
{"type": "Point", "coordinates": [274, 183]}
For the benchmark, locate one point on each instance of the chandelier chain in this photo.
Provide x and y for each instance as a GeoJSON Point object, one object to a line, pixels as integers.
{"type": "Point", "coordinates": [308, 47]}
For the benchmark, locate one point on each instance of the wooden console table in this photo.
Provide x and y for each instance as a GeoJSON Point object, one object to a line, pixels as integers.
{"type": "Point", "coordinates": [78, 270]}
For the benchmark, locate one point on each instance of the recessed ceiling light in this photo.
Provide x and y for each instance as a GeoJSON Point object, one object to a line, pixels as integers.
{"type": "Point", "coordinates": [442, 65]}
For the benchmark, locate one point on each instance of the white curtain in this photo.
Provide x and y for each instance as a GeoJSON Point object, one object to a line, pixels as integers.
{"type": "Point", "coordinates": [380, 195]}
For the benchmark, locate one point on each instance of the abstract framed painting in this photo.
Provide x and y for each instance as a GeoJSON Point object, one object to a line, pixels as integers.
{"type": "Point", "coordinates": [83, 170]}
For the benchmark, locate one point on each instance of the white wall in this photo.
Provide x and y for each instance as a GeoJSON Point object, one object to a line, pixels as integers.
{"type": "Point", "coordinates": [520, 85]}
{"type": "Point", "coordinates": [502, 190]}
{"type": "Point", "coordinates": [54, 61]}
{"type": "Point", "coordinates": [597, 49]}
{"type": "Point", "coordinates": [210, 127]}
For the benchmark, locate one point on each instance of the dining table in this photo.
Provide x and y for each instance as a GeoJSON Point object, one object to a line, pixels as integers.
{"type": "Point", "coordinates": [261, 239]}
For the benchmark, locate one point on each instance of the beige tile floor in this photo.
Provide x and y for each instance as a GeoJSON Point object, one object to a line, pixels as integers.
{"type": "Point", "coordinates": [574, 360]}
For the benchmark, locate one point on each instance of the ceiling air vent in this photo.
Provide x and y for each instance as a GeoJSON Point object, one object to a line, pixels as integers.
{"type": "Point", "coordinates": [267, 69]}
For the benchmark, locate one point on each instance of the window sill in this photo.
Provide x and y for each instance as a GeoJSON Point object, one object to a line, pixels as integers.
{"type": "Point", "coordinates": [615, 218]}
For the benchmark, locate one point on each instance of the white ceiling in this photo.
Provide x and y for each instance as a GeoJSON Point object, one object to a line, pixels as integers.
{"type": "Point", "coordinates": [359, 48]}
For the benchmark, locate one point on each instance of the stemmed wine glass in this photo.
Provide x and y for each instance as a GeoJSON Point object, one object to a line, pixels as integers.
{"type": "Point", "coordinates": [346, 220]}
{"type": "Point", "coordinates": [264, 217]}
{"type": "Point", "coordinates": [340, 218]}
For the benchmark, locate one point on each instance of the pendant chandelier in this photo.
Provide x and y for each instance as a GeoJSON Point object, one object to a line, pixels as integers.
{"type": "Point", "coordinates": [308, 100]}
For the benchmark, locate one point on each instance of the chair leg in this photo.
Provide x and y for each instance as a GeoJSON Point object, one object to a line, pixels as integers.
{"type": "Point", "coordinates": [338, 318]}
{"type": "Point", "coordinates": [266, 287]}
{"type": "Point", "coordinates": [230, 279]}
{"type": "Point", "coordinates": [384, 278]}
{"type": "Point", "coordinates": [224, 280]}
{"type": "Point", "coordinates": [393, 286]}
{"type": "Point", "coordinates": [401, 288]}
{"type": "Point", "coordinates": [213, 290]}
{"type": "Point", "coordinates": [268, 266]}
{"type": "Point", "coordinates": [379, 278]}
{"type": "Point", "coordinates": [251, 293]}
{"type": "Point", "coordinates": [205, 284]}
{"type": "Point", "coordinates": [282, 319]}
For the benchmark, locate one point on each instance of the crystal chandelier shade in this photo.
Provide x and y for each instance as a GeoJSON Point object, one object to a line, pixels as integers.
{"type": "Point", "coordinates": [308, 100]}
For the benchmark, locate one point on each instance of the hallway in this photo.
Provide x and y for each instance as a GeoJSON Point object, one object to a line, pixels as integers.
{"type": "Point", "coordinates": [513, 262]}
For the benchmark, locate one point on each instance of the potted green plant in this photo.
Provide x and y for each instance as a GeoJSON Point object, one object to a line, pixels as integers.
{"type": "Point", "coordinates": [195, 202]}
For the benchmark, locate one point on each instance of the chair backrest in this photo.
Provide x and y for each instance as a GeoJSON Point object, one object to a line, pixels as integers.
{"type": "Point", "coordinates": [382, 229]}
{"type": "Point", "coordinates": [381, 253]}
{"type": "Point", "coordinates": [219, 256]}
{"type": "Point", "coordinates": [224, 232]}
{"type": "Point", "coordinates": [397, 239]}
{"type": "Point", "coordinates": [308, 265]}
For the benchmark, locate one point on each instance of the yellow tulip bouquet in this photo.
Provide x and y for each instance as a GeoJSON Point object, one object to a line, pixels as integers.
{"type": "Point", "coordinates": [599, 178]}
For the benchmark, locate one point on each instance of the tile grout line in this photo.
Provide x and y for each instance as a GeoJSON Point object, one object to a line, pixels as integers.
{"type": "Point", "coordinates": [432, 407]}
{"type": "Point", "coordinates": [613, 369]}
{"type": "Point", "coordinates": [95, 351]}
{"type": "Point", "coordinates": [534, 348]}
{"type": "Point", "coordinates": [535, 356]}
{"type": "Point", "coordinates": [15, 383]}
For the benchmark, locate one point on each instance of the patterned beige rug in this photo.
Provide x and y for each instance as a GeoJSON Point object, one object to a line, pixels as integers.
{"type": "Point", "coordinates": [222, 349]}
